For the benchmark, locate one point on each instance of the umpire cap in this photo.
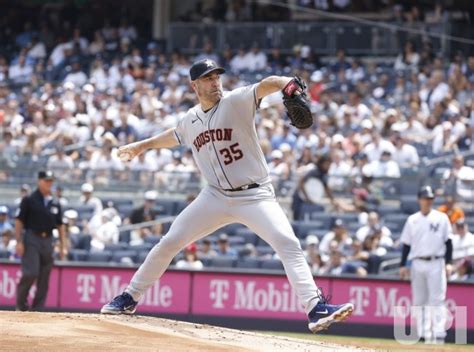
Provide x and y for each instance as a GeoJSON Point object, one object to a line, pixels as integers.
{"type": "Point", "coordinates": [45, 175]}
{"type": "Point", "coordinates": [203, 67]}
{"type": "Point", "coordinates": [426, 192]}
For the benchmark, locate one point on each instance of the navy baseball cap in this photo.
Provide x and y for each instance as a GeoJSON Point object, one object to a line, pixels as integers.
{"type": "Point", "coordinates": [45, 175]}
{"type": "Point", "coordinates": [203, 67]}
{"type": "Point", "coordinates": [426, 192]}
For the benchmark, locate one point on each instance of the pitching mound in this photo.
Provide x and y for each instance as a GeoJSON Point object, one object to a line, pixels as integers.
{"type": "Point", "coordinates": [93, 332]}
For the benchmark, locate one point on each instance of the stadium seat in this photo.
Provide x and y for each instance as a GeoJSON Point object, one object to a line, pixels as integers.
{"type": "Point", "coordinates": [116, 246]}
{"type": "Point", "coordinates": [153, 240]}
{"type": "Point", "coordinates": [180, 205]}
{"type": "Point", "coordinates": [223, 262]}
{"type": "Point", "coordinates": [272, 264]}
{"type": "Point", "coordinates": [118, 256]}
{"type": "Point", "coordinates": [4, 254]}
{"type": "Point", "coordinates": [206, 261]}
{"type": "Point", "coordinates": [236, 240]}
{"type": "Point", "coordinates": [99, 257]}
{"type": "Point", "coordinates": [248, 263]}
{"type": "Point", "coordinates": [265, 250]}
{"type": "Point", "coordinates": [141, 256]}
{"type": "Point", "coordinates": [78, 255]}
{"type": "Point", "coordinates": [302, 228]}
{"type": "Point", "coordinates": [166, 206]}
{"type": "Point", "coordinates": [81, 241]}
{"type": "Point", "coordinates": [248, 235]}
{"type": "Point", "coordinates": [231, 229]}
{"type": "Point", "coordinates": [141, 247]}
{"type": "Point", "coordinates": [409, 204]}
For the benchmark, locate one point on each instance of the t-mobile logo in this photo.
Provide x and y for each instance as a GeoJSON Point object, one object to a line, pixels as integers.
{"type": "Point", "coordinates": [219, 293]}
{"type": "Point", "coordinates": [85, 287]}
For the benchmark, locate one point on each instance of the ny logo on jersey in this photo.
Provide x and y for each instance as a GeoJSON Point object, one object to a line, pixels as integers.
{"type": "Point", "coordinates": [434, 227]}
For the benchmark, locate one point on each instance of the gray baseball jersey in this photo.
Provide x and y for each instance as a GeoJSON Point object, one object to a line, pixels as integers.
{"type": "Point", "coordinates": [225, 146]}
{"type": "Point", "coordinates": [224, 140]}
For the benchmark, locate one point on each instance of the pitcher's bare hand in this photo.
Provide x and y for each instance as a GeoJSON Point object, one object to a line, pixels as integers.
{"type": "Point", "coordinates": [129, 151]}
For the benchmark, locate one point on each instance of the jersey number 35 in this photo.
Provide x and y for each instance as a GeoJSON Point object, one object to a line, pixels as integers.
{"type": "Point", "coordinates": [231, 154]}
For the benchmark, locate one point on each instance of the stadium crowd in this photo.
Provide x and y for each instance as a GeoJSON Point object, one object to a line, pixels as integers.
{"type": "Point", "coordinates": [69, 102]}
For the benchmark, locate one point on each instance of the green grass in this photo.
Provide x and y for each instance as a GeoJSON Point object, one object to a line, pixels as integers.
{"type": "Point", "coordinates": [372, 343]}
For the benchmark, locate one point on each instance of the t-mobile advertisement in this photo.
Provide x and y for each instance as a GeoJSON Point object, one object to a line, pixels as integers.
{"type": "Point", "coordinates": [257, 296]}
{"type": "Point", "coordinates": [91, 288]}
{"type": "Point", "coordinates": [224, 294]}
{"type": "Point", "coordinates": [10, 276]}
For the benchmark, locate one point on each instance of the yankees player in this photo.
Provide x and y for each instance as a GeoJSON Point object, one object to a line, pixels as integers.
{"type": "Point", "coordinates": [220, 130]}
{"type": "Point", "coordinates": [426, 243]}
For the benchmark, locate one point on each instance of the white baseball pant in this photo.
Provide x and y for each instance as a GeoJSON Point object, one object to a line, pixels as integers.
{"type": "Point", "coordinates": [428, 284]}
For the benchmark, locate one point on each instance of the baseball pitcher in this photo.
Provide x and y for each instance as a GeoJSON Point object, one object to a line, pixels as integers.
{"type": "Point", "coordinates": [220, 130]}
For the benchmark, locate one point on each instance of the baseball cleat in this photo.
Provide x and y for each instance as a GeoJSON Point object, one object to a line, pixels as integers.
{"type": "Point", "coordinates": [324, 314]}
{"type": "Point", "coordinates": [121, 304]}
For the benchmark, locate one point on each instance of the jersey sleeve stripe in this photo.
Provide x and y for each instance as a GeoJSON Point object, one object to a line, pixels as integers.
{"type": "Point", "coordinates": [256, 101]}
{"type": "Point", "coordinates": [177, 137]}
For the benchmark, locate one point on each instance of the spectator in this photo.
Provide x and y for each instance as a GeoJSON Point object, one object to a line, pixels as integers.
{"type": "Point", "coordinates": [460, 178]}
{"type": "Point", "coordinates": [70, 220]}
{"type": "Point", "coordinates": [190, 260]}
{"type": "Point", "coordinates": [436, 89]}
{"type": "Point", "coordinates": [318, 172]}
{"type": "Point", "coordinates": [239, 62]}
{"type": "Point", "coordinates": [5, 224]}
{"type": "Point", "coordinates": [409, 59]}
{"type": "Point", "coordinates": [76, 76]}
{"type": "Point", "coordinates": [279, 169]}
{"type": "Point", "coordinates": [88, 199]}
{"type": "Point", "coordinates": [256, 59]}
{"type": "Point", "coordinates": [206, 250]}
{"type": "Point", "coordinates": [444, 139]}
{"type": "Point", "coordinates": [385, 167]}
{"type": "Point", "coordinates": [338, 237]}
{"type": "Point", "coordinates": [36, 49]}
{"type": "Point", "coordinates": [339, 170]}
{"type": "Point", "coordinates": [449, 207]}
{"type": "Point", "coordinates": [224, 249]}
{"type": "Point", "coordinates": [341, 63]}
{"type": "Point", "coordinates": [405, 155]}
{"type": "Point", "coordinates": [144, 213]}
{"type": "Point", "coordinates": [374, 225]}
{"type": "Point", "coordinates": [463, 240]}
{"type": "Point", "coordinates": [378, 145]}
{"type": "Point", "coordinates": [20, 73]}
{"type": "Point", "coordinates": [60, 161]}
{"type": "Point", "coordinates": [106, 233]}
{"type": "Point", "coordinates": [58, 194]}
{"type": "Point", "coordinates": [25, 190]}
{"type": "Point", "coordinates": [8, 243]}
{"type": "Point", "coordinates": [462, 271]}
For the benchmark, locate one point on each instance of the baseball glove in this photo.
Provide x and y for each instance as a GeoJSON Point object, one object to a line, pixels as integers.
{"type": "Point", "coordinates": [296, 103]}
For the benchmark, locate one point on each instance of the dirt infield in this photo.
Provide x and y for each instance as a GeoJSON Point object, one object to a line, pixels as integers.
{"type": "Point", "coordinates": [93, 332]}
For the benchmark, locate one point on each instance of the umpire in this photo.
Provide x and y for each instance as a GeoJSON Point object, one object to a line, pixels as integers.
{"type": "Point", "coordinates": [38, 215]}
{"type": "Point", "coordinates": [426, 243]}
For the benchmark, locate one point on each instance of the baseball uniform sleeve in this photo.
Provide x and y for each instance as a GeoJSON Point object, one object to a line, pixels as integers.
{"type": "Point", "coordinates": [406, 233]}
{"type": "Point", "coordinates": [245, 100]}
{"type": "Point", "coordinates": [180, 132]}
{"type": "Point", "coordinates": [446, 228]}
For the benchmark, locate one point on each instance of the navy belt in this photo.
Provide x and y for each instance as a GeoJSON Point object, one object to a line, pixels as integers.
{"type": "Point", "coordinates": [243, 188]}
{"type": "Point", "coordinates": [433, 257]}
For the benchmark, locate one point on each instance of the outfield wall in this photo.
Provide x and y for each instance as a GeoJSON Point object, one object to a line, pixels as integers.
{"type": "Point", "coordinates": [219, 295]}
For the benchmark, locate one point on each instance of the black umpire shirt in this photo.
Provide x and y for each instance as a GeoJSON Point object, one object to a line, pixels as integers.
{"type": "Point", "coordinates": [39, 214]}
